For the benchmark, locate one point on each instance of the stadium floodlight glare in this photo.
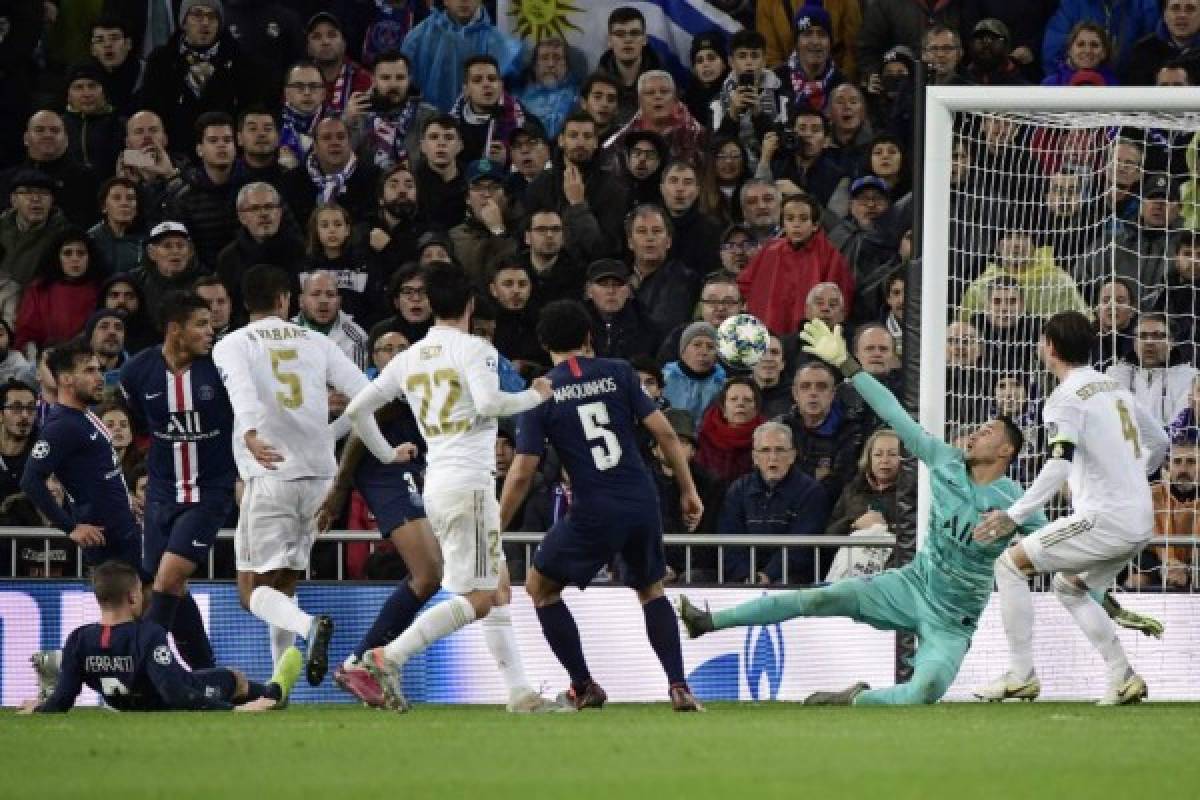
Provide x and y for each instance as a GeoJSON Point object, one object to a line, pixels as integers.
{"type": "Point", "coordinates": [1023, 143]}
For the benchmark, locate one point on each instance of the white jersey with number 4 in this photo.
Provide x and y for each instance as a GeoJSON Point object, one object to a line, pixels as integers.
{"type": "Point", "coordinates": [451, 381]}
{"type": "Point", "coordinates": [277, 375]}
{"type": "Point", "coordinates": [1114, 439]}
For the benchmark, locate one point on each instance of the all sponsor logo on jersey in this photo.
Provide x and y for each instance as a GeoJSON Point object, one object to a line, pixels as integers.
{"type": "Point", "coordinates": [182, 423]}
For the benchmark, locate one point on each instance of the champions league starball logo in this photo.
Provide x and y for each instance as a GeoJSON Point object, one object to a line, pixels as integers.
{"type": "Point", "coordinates": [758, 666]}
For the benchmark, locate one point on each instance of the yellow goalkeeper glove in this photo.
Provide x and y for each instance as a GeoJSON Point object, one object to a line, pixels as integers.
{"type": "Point", "coordinates": [829, 346]}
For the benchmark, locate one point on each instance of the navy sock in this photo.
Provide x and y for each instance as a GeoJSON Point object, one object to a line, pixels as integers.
{"type": "Point", "coordinates": [662, 628]}
{"type": "Point", "coordinates": [562, 634]}
{"type": "Point", "coordinates": [190, 637]}
{"type": "Point", "coordinates": [256, 690]}
{"type": "Point", "coordinates": [163, 607]}
{"type": "Point", "coordinates": [394, 617]}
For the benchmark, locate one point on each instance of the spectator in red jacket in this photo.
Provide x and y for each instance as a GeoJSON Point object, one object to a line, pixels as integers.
{"type": "Point", "coordinates": [778, 280]}
{"type": "Point", "coordinates": [58, 301]}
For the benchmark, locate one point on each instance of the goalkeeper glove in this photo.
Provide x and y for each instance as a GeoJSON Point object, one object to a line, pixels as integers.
{"type": "Point", "coordinates": [829, 346]}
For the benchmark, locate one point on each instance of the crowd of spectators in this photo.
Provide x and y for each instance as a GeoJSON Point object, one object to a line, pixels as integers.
{"type": "Point", "coordinates": [171, 144]}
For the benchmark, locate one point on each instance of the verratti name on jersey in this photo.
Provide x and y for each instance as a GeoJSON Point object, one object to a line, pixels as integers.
{"type": "Point", "coordinates": [582, 391]}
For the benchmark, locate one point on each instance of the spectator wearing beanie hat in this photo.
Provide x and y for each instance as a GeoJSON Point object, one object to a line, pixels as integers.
{"type": "Point", "coordinates": [810, 75]}
{"type": "Point", "coordinates": [695, 380]}
{"type": "Point", "coordinates": [776, 22]}
{"type": "Point", "coordinates": [95, 133]}
{"type": "Point", "coordinates": [105, 332]}
{"type": "Point", "coordinates": [709, 70]}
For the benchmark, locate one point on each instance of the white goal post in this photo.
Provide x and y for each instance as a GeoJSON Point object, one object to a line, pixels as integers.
{"type": "Point", "coordinates": [1177, 108]}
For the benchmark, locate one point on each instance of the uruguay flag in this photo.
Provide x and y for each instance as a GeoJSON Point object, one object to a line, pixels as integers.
{"type": "Point", "coordinates": [670, 25]}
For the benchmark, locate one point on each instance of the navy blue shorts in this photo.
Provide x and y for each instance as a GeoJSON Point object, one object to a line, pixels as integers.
{"type": "Point", "coordinates": [187, 530]}
{"type": "Point", "coordinates": [126, 546]}
{"type": "Point", "coordinates": [579, 544]}
{"type": "Point", "coordinates": [219, 683]}
{"type": "Point", "coordinates": [392, 506]}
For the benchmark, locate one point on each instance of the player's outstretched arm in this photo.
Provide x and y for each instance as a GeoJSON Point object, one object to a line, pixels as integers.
{"type": "Point", "coordinates": [664, 435]}
{"type": "Point", "coordinates": [829, 346]}
{"type": "Point", "coordinates": [998, 524]}
{"type": "Point", "coordinates": [361, 412]}
{"type": "Point", "coordinates": [516, 486]}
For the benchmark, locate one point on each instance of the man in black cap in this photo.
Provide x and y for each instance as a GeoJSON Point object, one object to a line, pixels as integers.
{"type": "Point", "coordinates": [590, 200]}
{"type": "Point", "coordinates": [201, 68]}
{"type": "Point", "coordinates": [327, 48]}
{"type": "Point", "coordinates": [990, 63]}
{"type": "Point", "coordinates": [620, 327]}
{"type": "Point", "coordinates": [27, 228]}
{"type": "Point", "coordinates": [74, 186]}
{"type": "Point", "coordinates": [529, 153]}
{"type": "Point", "coordinates": [709, 70]}
{"type": "Point", "coordinates": [486, 233]}
{"type": "Point", "coordinates": [105, 332]}
{"type": "Point", "coordinates": [95, 133]}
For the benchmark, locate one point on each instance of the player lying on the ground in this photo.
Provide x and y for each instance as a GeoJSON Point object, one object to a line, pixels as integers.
{"type": "Point", "coordinates": [1102, 443]}
{"type": "Point", "coordinates": [591, 421]}
{"type": "Point", "coordinates": [128, 661]}
{"type": "Point", "coordinates": [942, 593]}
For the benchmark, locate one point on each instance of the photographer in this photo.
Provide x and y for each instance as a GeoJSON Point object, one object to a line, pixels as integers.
{"type": "Point", "coordinates": [890, 95]}
{"type": "Point", "coordinates": [800, 155]}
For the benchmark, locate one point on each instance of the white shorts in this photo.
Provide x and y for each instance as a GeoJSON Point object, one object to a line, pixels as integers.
{"type": "Point", "coordinates": [277, 523]}
{"type": "Point", "coordinates": [1085, 546]}
{"type": "Point", "coordinates": [467, 526]}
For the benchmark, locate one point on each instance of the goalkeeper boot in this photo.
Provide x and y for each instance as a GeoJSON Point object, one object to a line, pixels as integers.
{"type": "Point", "coordinates": [1132, 689]}
{"type": "Point", "coordinates": [46, 663]}
{"type": "Point", "coordinates": [591, 697]}
{"type": "Point", "coordinates": [1007, 687]}
{"type": "Point", "coordinates": [843, 698]}
{"type": "Point", "coordinates": [357, 680]}
{"type": "Point", "coordinates": [388, 679]}
{"type": "Point", "coordinates": [286, 674]}
{"type": "Point", "coordinates": [316, 660]}
{"type": "Point", "coordinates": [682, 698]}
{"type": "Point", "coordinates": [1131, 619]}
{"type": "Point", "coordinates": [697, 621]}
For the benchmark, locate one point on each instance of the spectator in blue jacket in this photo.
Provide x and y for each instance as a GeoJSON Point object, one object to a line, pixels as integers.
{"type": "Point", "coordinates": [694, 381]}
{"type": "Point", "coordinates": [776, 498]}
{"type": "Point", "coordinates": [446, 38]}
{"type": "Point", "coordinates": [551, 93]}
{"type": "Point", "coordinates": [1125, 20]}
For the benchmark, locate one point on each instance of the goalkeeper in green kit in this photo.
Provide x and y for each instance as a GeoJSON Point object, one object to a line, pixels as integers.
{"type": "Point", "coordinates": [941, 594]}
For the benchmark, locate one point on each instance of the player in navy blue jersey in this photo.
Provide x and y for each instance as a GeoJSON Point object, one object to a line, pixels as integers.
{"type": "Point", "coordinates": [592, 421]}
{"type": "Point", "coordinates": [74, 445]}
{"type": "Point", "coordinates": [128, 661]}
{"type": "Point", "coordinates": [392, 492]}
{"type": "Point", "coordinates": [176, 394]}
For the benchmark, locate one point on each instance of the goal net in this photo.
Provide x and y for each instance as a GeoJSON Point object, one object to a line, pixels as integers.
{"type": "Point", "coordinates": [1045, 200]}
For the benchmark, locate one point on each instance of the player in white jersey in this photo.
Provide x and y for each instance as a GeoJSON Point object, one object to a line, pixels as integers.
{"type": "Point", "coordinates": [1102, 443]}
{"type": "Point", "coordinates": [277, 375]}
{"type": "Point", "coordinates": [451, 382]}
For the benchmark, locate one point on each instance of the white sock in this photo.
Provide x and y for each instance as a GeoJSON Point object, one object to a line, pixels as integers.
{"type": "Point", "coordinates": [276, 608]}
{"type": "Point", "coordinates": [1096, 626]}
{"type": "Point", "coordinates": [436, 623]}
{"type": "Point", "coordinates": [501, 641]}
{"type": "Point", "coordinates": [281, 639]}
{"type": "Point", "coordinates": [1016, 610]}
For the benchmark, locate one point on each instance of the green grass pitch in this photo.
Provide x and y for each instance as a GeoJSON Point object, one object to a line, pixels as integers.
{"type": "Point", "coordinates": [952, 751]}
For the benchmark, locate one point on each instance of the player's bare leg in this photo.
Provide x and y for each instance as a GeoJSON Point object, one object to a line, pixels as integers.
{"type": "Point", "coordinates": [662, 630]}
{"type": "Point", "coordinates": [418, 547]}
{"type": "Point", "coordinates": [562, 634]}
{"type": "Point", "coordinates": [270, 596]}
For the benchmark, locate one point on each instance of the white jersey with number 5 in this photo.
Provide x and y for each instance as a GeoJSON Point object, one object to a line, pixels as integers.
{"type": "Point", "coordinates": [277, 375]}
{"type": "Point", "coordinates": [451, 381]}
{"type": "Point", "coordinates": [1114, 440]}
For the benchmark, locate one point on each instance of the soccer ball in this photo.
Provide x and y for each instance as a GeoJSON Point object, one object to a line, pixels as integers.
{"type": "Point", "coordinates": [742, 340]}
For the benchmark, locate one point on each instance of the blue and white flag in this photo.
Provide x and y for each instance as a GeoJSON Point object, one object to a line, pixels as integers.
{"type": "Point", "coordinates": [670, 24]}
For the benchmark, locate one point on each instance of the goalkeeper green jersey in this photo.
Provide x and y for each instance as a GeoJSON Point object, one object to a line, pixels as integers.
{"type": "Point", "coordinates": [954, 569]}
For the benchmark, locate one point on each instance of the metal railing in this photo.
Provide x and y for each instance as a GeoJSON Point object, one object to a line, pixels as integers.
{"type": "Point", "coordinates": [528, 541]}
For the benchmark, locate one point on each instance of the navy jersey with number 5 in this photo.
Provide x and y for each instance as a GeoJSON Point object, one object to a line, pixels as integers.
{"type": "Point", "coordinates": [592, 422]}
{"type": "Point", "coordinates": [133, 667]}
{"type": "Point", "coordinates": [190, 422]}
